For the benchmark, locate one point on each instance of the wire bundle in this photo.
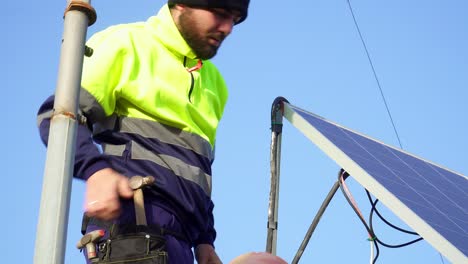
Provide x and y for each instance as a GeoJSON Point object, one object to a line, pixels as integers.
{"type": "Point", "coordinates": [373, 238]}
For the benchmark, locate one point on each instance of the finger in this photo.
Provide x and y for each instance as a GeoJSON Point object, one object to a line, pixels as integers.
{"type": "Point", "coordinates": [104, 211]}
{"type": "Point", "coordinates": [123, 188]}
{"type": "Point", "coordinates": [91, 208]}
{"type": "Point", "coordinates": [109, 215]}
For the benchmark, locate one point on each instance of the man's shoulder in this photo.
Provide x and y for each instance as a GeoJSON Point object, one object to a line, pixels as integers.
{"type": "Point", "coordinates": [119, 29]}
{"type": "Point", "coordinates": [119, 34]}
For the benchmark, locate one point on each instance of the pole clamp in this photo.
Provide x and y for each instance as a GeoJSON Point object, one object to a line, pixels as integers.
{"type": "Point", "coordinates": [83, 7]}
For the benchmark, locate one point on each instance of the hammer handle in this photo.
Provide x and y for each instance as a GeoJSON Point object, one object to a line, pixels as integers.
{"type": "Point", "coordinates": [136, 183]}
{"type": "Point", "coordinates": [139, 207]}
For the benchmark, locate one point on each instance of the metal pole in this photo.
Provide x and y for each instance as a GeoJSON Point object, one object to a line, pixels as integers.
{"type": "Point", "coordinates": [275, 155]}
{"type": "Point", "coordinates": [55, 200]}
{"type": "Point", "coordinates": [272, 228]}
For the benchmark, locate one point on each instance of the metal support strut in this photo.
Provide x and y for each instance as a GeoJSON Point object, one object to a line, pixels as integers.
{"type": "Point", "coordinates": [275, 155]}
{"type": "Point", "coordinates": [317, 218]}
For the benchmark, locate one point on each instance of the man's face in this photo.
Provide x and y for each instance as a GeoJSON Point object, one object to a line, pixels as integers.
{"type": "Point", "coordinates": [205, 29]}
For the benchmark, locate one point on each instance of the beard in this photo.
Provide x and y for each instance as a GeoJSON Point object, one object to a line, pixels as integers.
{"type": "Point", "coordinates": [198, 38]}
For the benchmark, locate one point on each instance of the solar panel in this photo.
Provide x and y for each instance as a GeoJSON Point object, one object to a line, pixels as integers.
{"type": "Point", "coordinates": [430, 199]}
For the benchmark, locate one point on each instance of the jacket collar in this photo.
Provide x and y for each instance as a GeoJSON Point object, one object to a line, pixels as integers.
{"type": "Point", "coordinates": [166, 31]}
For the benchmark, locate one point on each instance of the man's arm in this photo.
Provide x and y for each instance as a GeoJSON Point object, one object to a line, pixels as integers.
{"type": "Point", "coordinates": [104, 186]}
{"type": "Point", "coordinates": [204, 249]}
{"type": "Point", "coordinates": [88, 158]}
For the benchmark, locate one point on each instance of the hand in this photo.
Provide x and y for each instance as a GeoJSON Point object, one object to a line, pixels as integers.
{"type": "Point", "coordinates": [205, 254]}
{"type": "Point", "coordinates": [103, 191]}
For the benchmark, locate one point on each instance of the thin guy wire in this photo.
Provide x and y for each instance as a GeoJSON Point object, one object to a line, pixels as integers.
{"type": "Point", "coordinates": [375, 74]}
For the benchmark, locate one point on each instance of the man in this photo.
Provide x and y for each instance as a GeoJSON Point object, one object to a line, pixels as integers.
{"type": "Point", "coordinates": [152, 99]}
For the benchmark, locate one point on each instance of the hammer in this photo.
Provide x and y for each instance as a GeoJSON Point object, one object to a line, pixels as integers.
{"type": "Point", "coordinates": [137, 183]}
{"type": "Point", "coordinates": [89, 241]}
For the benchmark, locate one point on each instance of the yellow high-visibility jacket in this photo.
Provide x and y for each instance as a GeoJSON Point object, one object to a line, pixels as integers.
{"type": "Point", "coordinates": [153, 114]}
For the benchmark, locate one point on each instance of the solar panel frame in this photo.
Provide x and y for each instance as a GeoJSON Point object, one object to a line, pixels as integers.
{"type": "Point", "coordinates": [298, 118]}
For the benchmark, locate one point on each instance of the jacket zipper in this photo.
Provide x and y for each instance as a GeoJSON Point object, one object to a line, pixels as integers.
{"type": "Point", "coordinates": [190, 70]}
{"type": "Point", "coordinates": [192, 84]}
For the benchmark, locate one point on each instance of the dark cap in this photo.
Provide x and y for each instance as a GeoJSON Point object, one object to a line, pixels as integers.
{"type": "Point", "coordinates": [239, 5]}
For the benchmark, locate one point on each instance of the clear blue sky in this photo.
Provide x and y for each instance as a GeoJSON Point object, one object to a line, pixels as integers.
{"type": "Point", "coordinates": [306, 51]}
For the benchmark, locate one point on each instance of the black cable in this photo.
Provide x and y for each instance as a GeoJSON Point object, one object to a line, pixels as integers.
{"type": "Point", "coordinates": [374, 208]}
{"type": "Point", "coordinates": [377, 239]}
{"type": "Point", "coordinates": [377, 252]}
{"type": "Point", "coordinates": [441, 259]}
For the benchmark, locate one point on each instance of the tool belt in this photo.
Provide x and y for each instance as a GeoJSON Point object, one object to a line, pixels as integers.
{"type": "Point", "coordinates": [129, 243]}
{"type": "Point", "coordinates": [141, 248]}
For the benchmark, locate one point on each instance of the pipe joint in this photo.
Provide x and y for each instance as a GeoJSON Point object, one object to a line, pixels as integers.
{"type": "Point", "coordinates": [82, 7]}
